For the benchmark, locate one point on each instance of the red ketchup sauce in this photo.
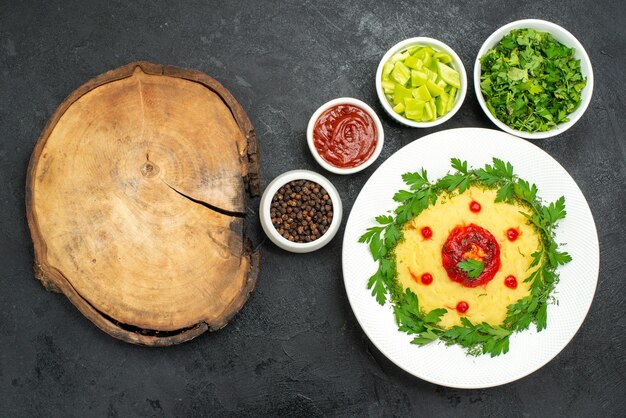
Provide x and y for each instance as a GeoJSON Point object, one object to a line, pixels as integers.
{"type": "Point", "coordinates": [345, 136]}
{"type": "Point", "coordinates": [427, 233]}
{"type": "Point", "coordinates": [470, 241]}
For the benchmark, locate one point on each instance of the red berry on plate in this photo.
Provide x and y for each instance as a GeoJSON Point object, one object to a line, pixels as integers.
{"type": "Point", "coordinates": [462, 307]}
{"type": "Point", "coordinates": [510, 282]}
{"type": "Point", "coordinates": [512, 234]}
{"type": "Point", "coordinates": [427, 278]}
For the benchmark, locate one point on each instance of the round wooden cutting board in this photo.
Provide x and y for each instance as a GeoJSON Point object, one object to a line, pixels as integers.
{"type": "Point", "coordinates": [136, 202]}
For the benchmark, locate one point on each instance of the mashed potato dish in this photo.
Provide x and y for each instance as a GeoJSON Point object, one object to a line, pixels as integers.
{"type": "Point", "coordinates": [469, 259]}
{"type": "Point", "coordinates": [467, 235]}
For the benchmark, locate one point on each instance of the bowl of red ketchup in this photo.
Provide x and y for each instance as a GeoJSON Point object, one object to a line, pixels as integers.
{"type": "Point", "coordinates": [345, 135]}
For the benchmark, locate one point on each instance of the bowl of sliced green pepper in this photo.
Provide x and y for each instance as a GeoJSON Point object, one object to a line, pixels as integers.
{"type": "Point", "coordinates": [533, 79]}
{"type": "Point", "coordinates": [421, 82]}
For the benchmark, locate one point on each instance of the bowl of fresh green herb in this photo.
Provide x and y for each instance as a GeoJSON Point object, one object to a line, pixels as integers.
{"type": "Point", "coordinates": [533, 79]}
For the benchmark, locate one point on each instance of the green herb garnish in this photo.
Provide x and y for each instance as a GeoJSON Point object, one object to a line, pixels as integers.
{"type": "Point", "coordinates": [530, 81]}
{"type": "Point", "coordinates": [472, 267]}
{"type": "Point", "coordinates": [480, 338]}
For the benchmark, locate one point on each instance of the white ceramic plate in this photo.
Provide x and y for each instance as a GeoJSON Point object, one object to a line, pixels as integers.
{"type": "Point", "coordinates": [529, 350]}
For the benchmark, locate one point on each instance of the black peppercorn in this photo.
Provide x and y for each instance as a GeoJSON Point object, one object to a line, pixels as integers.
{"type": "Point", "coordinates": [301, 211]}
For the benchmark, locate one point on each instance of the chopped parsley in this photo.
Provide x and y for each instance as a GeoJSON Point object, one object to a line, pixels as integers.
{"type": "Point", "coordinates": [531, 81]}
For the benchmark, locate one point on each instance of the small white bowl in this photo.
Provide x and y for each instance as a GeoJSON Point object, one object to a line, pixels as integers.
{"type": "Point", "coordinates": [266, 219]}
{"type": "Point", "coordinates": [561, 35]}
{"type": "Point", "coordinates": [457, 64]}
{"type": "Point", "coordinates": [353, 102]}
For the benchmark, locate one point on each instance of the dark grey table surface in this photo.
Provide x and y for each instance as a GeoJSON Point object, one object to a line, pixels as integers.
{"type": "Point", "coordinates": [296, 348]}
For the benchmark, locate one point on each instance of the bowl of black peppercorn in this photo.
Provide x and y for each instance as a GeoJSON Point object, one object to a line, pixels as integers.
{"type": "Point", "coordinates": [300, 211]}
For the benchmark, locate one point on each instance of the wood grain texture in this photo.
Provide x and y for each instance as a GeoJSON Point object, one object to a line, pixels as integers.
{"type": "Point", "coordinates": [135, 200]}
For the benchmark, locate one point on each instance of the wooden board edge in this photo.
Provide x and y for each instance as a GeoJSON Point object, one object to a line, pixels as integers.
{"type": "Point", "coordinates": [54, 281]}
{"type": "Point", "coordinates": [251, 280]}
{"type": "Point", "coordinates": [251, 177]}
